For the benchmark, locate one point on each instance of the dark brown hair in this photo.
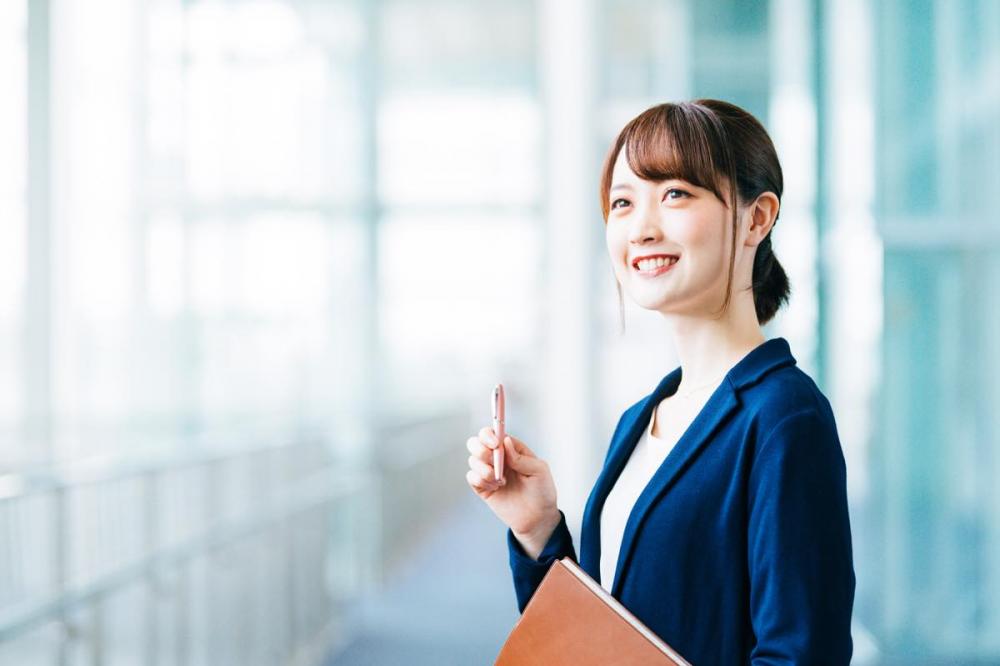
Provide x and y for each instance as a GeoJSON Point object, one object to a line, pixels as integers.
{"type": "Point", "coordinates": [709, 143]}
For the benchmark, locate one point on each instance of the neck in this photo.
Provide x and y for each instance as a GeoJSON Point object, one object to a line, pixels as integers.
{"type": "Point", "coordinates": [708, 348]}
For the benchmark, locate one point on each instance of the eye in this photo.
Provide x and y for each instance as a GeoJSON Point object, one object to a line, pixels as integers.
{"type": "Point", "coordinates": [674, 189]}
{"type": "Point", "coordinates": [613, 207]}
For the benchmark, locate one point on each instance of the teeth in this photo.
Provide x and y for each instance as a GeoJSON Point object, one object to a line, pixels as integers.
{"type": "Point", "coordinates": [651, 264]}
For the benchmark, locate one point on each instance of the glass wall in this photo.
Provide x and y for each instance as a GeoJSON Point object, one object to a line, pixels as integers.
{"type": "Point", "coordinates": [193, 260]}
{"type": "Point", "coordinates": [459, 169]}
{"type": "Point", "coordinates": [14, 226]}
{"type": "Point", "coordinates": [934, 584]}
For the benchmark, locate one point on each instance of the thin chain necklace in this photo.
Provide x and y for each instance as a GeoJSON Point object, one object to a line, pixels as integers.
{"type": "Point", "coordinates": [683, 396]}
{"type": "Point", "coordinates": [687, 394]}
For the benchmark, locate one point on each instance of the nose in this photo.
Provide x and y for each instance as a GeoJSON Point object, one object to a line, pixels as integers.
{"type": "Point", "coordinates": [645, 225]}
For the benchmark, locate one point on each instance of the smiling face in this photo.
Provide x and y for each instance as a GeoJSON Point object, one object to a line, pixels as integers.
{"type": "Point", "coordinates": [673, 217]}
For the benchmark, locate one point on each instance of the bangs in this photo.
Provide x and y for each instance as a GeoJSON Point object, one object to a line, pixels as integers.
{"type": "Point", "coordinates": [681, 141]}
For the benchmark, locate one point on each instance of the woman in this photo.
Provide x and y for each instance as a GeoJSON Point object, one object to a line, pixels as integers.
{"type": "Point", "coordinates": [720, 516]}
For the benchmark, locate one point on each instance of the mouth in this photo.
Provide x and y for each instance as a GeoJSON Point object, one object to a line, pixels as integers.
{"type": "Point", "coordinates": [655, 266]}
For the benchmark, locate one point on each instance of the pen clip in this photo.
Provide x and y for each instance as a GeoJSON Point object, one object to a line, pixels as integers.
{"type": "Point", "coordinates": [496, 403]}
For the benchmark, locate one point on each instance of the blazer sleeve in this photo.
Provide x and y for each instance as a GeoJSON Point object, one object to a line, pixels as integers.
{"type": "Point", "coordinates": [528, 573]}
{"type": "Point", "coordinates": [799, 545]}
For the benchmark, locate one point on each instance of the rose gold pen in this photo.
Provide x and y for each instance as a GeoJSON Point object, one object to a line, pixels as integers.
{"type": "Point", "coordinates": [498, 424]}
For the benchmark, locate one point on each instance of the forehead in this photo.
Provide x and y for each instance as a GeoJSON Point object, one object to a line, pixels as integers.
{"type": "Point", "coordinates": [621, 165]}
{"type": "Point", "coordinates": [622, 172]}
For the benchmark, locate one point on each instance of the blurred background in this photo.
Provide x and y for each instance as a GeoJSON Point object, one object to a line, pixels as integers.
{"type": "Point", "coordinates": [262, 261]}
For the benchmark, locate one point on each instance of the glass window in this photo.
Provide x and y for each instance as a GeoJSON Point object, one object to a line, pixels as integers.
{"type": "Point", "coordinates": [13, 229]}
{"type": "Point", "coordinates": [464, 148]}
{"type": "Point", "coordinates": [208, 152]}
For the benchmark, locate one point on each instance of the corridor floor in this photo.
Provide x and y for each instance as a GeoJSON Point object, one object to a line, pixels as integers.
{"type": "Point", "coordinates": [452, 603]}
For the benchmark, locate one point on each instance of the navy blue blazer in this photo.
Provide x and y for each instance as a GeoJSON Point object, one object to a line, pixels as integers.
{"type": "Point", "coordinates": [739, 549]}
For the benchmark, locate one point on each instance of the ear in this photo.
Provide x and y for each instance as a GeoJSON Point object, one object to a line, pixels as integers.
{"type": "Point", "coordinates": [762, 213]}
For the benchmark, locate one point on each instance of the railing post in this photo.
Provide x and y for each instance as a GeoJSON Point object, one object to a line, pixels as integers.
{"type": "Point", "coordinates": [213, 505]}
{"type": "Point", "coordinates": [289, 553]}
{"type": "Point", "coordinates": [150, 543]}
{"type": "Point", "coordinates": [97, 631]}
{"type": "Point", "coordinates": [60, 572]}
{"type": "Point", "coordinates": [182, 612]}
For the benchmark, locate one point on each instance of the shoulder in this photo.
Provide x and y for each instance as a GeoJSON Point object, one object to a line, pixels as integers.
{"type": "Point", "coordinates": [793, 431]}
{"type": "Point", "coordinates": [787, 397]}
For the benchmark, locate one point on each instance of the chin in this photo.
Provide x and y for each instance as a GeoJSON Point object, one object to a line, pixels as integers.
{"type": "Point", "coordinates": [657, 304]}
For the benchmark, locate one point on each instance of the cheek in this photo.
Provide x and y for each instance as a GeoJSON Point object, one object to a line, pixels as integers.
{"type": "Point", "coordinates": [695, 237]}
{"type": "Point", "coordinates": [706, 238]}
{"type": "Point", "coordinates": [616, 245]}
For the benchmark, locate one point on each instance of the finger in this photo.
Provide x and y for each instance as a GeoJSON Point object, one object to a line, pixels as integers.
{"type": "Point", "coordinates": [486, 472]}
{"type": "Point", "coordinates": [477, 449]}
{"type": "Point", "coordinates": [478, 483]}
{"type": "Point", "coordinates": [488, 438]}
{"type": "Point", "coordinates": [483, 469]}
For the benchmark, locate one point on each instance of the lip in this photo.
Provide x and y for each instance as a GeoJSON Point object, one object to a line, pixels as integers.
{"type": "Point", "coordinates": [657, 271]}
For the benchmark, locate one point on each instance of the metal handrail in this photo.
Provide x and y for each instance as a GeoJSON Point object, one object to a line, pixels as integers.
{"type": "Point", "coordinates": [224, 498]}
{"type": "Point", "coordinates": [16, 623]}
{"type": "Point", "coordinates": [277, 487]}
{"type": "Point", "coordinates": [14, 485]}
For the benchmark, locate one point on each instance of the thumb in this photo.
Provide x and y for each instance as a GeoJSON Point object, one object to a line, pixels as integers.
{"type": "Point", "coordinates": [520, 458]}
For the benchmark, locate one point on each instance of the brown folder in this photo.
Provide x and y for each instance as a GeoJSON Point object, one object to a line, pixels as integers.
{"type": "Point", "coordinates": [572, 620]}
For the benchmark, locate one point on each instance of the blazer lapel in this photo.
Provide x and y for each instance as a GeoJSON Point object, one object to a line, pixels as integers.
{"type": "Point", "coordinates": [716, 410]}
{"type": "Point", "coordinates": [621, 448]}
{"type": "Point", "coordinates": [767, 356]}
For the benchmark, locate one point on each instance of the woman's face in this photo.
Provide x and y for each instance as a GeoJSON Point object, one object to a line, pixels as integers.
{"type": "Point", "coordinates": [671, 217]}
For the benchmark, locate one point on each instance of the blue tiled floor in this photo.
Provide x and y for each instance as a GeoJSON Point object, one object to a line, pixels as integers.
{"type": "Point", "coordinates": [452, 603]}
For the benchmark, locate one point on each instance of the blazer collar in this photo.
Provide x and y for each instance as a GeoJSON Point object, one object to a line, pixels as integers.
{"type": "Point", "coordinates": [764, 358]}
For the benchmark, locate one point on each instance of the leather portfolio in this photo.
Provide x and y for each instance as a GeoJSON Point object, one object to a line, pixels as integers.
{"type": "Point", "coordinates": [571, 620]}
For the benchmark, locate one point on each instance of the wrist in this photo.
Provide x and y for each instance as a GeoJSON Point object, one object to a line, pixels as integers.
{"type": "Point", "coordinates": [534, 541]}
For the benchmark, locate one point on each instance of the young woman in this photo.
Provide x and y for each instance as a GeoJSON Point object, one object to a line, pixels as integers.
{"type": "Point", "coordinates": [720, 516]}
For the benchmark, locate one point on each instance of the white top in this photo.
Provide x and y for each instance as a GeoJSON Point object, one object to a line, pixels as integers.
{"type": "Point", "coordinates": [646, 458]}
